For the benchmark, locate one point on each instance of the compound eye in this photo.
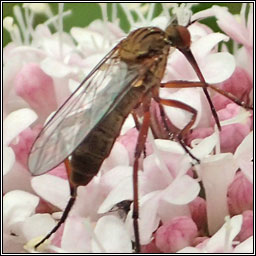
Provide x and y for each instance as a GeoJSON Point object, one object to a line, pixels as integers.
{"type": "Point", "coordinates": [178, 36]}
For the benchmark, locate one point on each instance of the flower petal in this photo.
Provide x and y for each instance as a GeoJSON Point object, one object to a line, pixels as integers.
{"type": "Point", "coordinates": [225, 235]}
{"type": "Point", "coordinates": [204, 45]}
{"type": "Point", "coordinates": [16, 122]}
{"type": "Point", "coordinates": [112, 235]}
{"type": "Point", "coordinates": [37, 225]}
{"type": "Point", "coordinates": [244, 156]}
{"type": "Point", "coordinates": [182, 190]}
{"type": "Point", "coordinates": [218, 67]}
{"type": "Point", "coordinates": [51, 188]}
{"type": "Point", "coordinates": [217, 173]}
{"type": "Point", "coordinates": [17, 206]}
{"type": "Point", "coordinates": [245, 247]}
{"type": "Point", "coordinates": [76, 238]}
{"type": "Point", "coordinates": [9, 159]}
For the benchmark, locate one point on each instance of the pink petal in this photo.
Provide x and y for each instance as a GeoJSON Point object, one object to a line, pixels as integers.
{"type": "Point", "coordinates": [217, 173]}
{"type": "Point", "coordinates": [76, 238]}
{"type": "Point", "coordinates": [12, 245]}
{"type": "Point", "coordinates": [51, 188]}
{"type": "Point", "coordinates": [240, 194]}
{"type": "Point", "coordinates": [198, 213]}
{"type": "Point", "coordinates": [54, 68]}
{"type": "Point", "coordinates": [232, 135]}
{"type": "Point", "coordinates": [23, 147]}
{"type": "Point", "coordinates": [247, 226]}
{"type": "Point", "coordinates": [204, 45]}
{"type": "Point", "coordinates": [156, 176]}
{"type": "Point", "coordinates": [17, 206]}
{"type": "Point", "coordinates": [239, 84]}
{"type": "Point", "coordinates": [190, 96]}
{"type": "Point", "coordinates": [148, 223]}
{"type": "Point", "coordinates": [182, 190]}
{"type": "Point", "coordinates": [245, 247]}
{"type": "Point", "coordinates": [113, 177]}
{"type": "Point", "coordinates": [17, 179]}
{"type": "Point", "coordinates": [176, 234]}
{"type": "Point", "coordinates": [112, 235]}
{"type": "Point", "coordinates": [118, 156]}
{"type": "Point", "coordinates": [37, 225]}
{"type": "Point", "coordinates": [9, 159]}
{"type": "Point", "coordinates": [190, 250]}
{"type": "Point", "coordinates": [244, 156]}
{"type": "Point", "coordinates": [168, 211]}
{"type": "Point", "coordinates": [199, 133]}
{"type": "Point", "coordinates": [123, 191]}
{"type": "Point", "coordinates": [223, 238]}
{"type": "Point", "coordinates": [218, 67]}
{"type": "Point", "coordinates": [16, 122]}
{"type": "Point", "coordinates": [33, 85]}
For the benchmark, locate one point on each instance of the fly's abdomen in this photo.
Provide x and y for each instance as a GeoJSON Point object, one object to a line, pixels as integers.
{"type": "Point", "coordinates": [88, 157]}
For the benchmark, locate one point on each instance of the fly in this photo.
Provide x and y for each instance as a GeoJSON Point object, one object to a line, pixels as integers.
{"type": "Point", "coordinates": [86, 126]}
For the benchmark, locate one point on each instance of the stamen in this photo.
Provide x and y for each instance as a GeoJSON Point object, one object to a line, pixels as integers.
{"type": "Point", "coordinates": [128, 14]}
{"type": "Point", "coordinates": [166, 10]}
{"type": "Point", "coordinates": [151, 12]}
{"type": "Point", "coordinates": [29, 26]}
{"type": "Point", "coordinates": [140, 15]}
{"type": "Point", "coordinates": [227, 245]}
{"type": "Point", "coordinates": [60, 28]}
{"type": "Point", "coordinates": [12, 29]}
{"type": "Point", "coordinates": [18, 14]}
{"type": "Point", "coordinates": [242, 14]}
{"type": "Point", "coordinates": [53, 19]}
{"type": "Point", "coordinates": [103, 7]}
{"type": "Point", "coordinates": [114, 12]}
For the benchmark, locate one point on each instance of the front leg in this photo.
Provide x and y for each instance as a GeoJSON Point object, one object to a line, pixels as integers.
{"type": "Point", "coordinates": [143, 131]}
{"type": "Point", "coordinates": [186, 129]}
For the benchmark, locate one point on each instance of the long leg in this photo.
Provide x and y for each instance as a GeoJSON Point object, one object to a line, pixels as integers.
{"type": "Point", "coordinates": [181, 105]}
{"type": "Point", "coordinates": [73, 193]}
{"type": "Point", "coordinates": [139, 148]}
{"type": "Point", "coordinates": [187, 84]}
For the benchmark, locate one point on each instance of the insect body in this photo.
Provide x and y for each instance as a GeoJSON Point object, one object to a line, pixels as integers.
{"type": "Point", "coordinates": [88, 123]}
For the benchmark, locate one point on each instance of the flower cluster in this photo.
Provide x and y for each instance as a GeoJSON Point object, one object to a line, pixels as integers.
{"type": "Point", "coordinates": [184, 207]}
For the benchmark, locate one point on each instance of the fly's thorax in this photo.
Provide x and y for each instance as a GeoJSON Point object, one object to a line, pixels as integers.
{"type": "Point", "coordinates": [143, 43]}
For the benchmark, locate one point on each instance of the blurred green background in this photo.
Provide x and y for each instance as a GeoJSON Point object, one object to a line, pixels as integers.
{"type": "Point", "coordinates": [84, 13]}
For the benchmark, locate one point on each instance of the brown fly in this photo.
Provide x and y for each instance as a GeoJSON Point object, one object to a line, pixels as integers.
{"type": "Point", "coordinates": [84, 129]}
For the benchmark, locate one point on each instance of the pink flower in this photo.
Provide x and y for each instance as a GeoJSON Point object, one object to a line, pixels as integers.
{"type": "Point", "coordinates": [13, 125]}
{"type": "Point", "coordinates": [150, 248]}
{"type": "Point", "coordinates": [247, 226]}
{"type": "Point", "coordinates": [232, 135]}
{"type": "Point", "coordinates": [25, 141]}
{"type": "Point", "coordinates": [244, 156]}
{"type": "Point", "coordinates": [222, 240]}
{"type": "Point", "coordinates": [21, 222]}
{"type": "Point", "coordinates": [240, 195]}
{"type": "Point", "coordinates": [217, 171]}
{"type": "Point", "coordinates": [198, 214]}
{"type": "Point", "coordinates": [33, 85]}
{"type": "Point", "coordinates": [176, 234]}
{"type": "Point", "coordinates": [239, 29]}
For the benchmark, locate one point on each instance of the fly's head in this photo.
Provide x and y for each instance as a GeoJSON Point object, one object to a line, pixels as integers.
{"type": "Point", "coordinates": [178, 36]}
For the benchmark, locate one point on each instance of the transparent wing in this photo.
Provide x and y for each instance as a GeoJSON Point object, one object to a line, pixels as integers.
{"type": "Point", "coordinates": [100, 91]}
